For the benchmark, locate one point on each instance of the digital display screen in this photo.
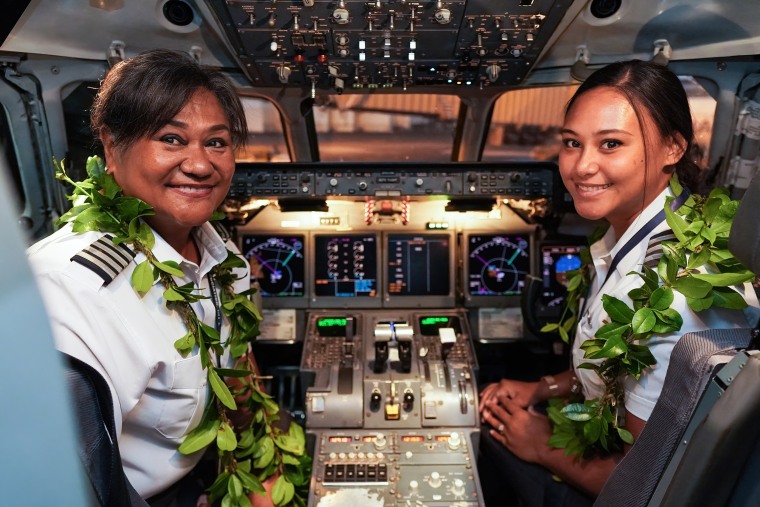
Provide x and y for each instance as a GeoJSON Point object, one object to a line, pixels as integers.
{"type": "Point", "coordinates": [442, 438]}
{"type": "Point", "coordinates": [277, 264]}
{"type": "Point", "coordinates": [331, 326]}
{"type": "Point", "coordinates": [556, 261]}
{"type": "Point", "coordinates": [371, 438]}
{"type": "Point", "coordinates": [412, 438]}
{"type": "Point", "coordinates": [497, 264]}
{"type": "Point", "coordinates": [430, 324]}
{"type": "Point", "coordinates": [418, 264]}
{"type": "Point", "coordinates": [345, 265]}
{"type": "Point", "coordinates": [339, 440]}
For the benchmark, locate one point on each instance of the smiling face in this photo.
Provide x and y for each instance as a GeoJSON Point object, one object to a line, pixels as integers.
{"type": "Point", "coordinates": [610, 165]}
{"type": "Point", "coordinates": [183, 170]}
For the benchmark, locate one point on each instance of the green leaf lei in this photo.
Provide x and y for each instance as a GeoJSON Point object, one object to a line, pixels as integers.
{"type": "Point", "coordinates": [249, 452]}
{"type": "Point", "coordinates": [701, 225]}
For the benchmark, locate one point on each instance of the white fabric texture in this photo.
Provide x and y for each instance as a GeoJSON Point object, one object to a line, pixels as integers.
{"type": "Point", "coordinates": [158, 395]}
{"type": "Point", "coordinates": [641, 395]}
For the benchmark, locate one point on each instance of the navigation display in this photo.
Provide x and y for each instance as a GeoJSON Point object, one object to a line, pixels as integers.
{"type": "Point", "coordinates": [418, 264]}
{"type": "Point", "coordinates": [345, 266]}
{"type": "Point", "coordinates": [497, 264]}
{"type": "Point", "coordinates": [277, 263]}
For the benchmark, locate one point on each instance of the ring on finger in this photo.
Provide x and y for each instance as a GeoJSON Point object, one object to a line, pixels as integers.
{"type": "Point", "coordinates": [500, 429]}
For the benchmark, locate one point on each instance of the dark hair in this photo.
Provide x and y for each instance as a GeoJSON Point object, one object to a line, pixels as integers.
{"type": "Point", "coordinates": [652, 87]}
{"type": "Point", "coordinates": [142, 94]}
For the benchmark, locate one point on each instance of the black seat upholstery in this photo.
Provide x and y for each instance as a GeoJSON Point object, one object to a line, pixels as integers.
{"type": "Point", "coordinates": [98, 449]}
{"type": "Point", "coordinates": [691, 363]}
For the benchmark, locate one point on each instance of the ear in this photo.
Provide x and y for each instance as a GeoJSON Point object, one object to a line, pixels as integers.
{"type": "Point", "coordinates": [676, 149]}
{"type": "Point", "coordinates": [109, 149]}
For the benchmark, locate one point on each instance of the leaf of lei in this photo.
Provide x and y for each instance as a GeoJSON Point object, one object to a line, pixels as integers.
{"type": "Point", "coordinates": [701, 225]}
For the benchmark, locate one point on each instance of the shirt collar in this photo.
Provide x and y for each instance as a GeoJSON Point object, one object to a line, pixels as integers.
{"type": "Point", "coordinates": [212, 248]}
{"type": "Point", "coordinates": [604, 250]}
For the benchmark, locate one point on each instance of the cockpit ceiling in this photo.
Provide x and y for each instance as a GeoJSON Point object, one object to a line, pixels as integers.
{"type": "Point", "coordinates": [393, 45]}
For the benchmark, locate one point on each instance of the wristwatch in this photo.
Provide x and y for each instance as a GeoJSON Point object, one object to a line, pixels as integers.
{"type": "Point", "coordinates": [551, 382]}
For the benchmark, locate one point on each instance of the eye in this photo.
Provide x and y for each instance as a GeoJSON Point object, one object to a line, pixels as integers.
{"type": "Point", "coordinates": [172, 139]}
{"type": "Point", "coordinates": [217, 143]}
{"type": "Point", "coordinates": [611, 144]}
{"type": "Point", "coordinates": [571, 143]}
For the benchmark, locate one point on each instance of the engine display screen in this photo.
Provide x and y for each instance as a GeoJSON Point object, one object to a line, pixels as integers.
{"type": "Point", "coordinates": [497, 264]}
{"type": "Point", "coordinates": [430, 324]}
{"type": "Point", "coordinates": [345, 265]}
{"type": "Point", "coordinates": [418, 264]}
{"type": "Point", "coordinates": [277, 263]}
{"type": "Point", "coordinates": [331, 326]}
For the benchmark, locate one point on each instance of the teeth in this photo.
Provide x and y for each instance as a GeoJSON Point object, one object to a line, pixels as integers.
{"type": "Point", "coordinates": [591, 188]}
{"type": "Point", "coordinates": [192, 189]}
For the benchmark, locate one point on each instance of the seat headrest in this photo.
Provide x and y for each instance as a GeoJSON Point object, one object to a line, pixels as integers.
{"type": "Point", "coordinates": [744, 239]}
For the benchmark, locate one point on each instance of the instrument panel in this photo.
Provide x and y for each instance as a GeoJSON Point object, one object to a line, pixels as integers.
{"type": "Point", "coordinates": [392, 405]}
{"type": "Point", "coordinates": [517, 180]}
{"type": "Point", "coordinates": [380, 45]}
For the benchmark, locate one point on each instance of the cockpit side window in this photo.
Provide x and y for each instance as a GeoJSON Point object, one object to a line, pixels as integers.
{"type": "Point", "coordinates": [525, 123]}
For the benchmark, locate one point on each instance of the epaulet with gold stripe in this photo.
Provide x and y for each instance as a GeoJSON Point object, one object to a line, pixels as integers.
{"type": "Point", "coordinates": [105, 258]}
{"type": "Point", "coordinates": [654, 248]}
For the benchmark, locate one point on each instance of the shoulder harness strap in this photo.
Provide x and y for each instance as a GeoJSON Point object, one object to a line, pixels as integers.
{"type": "Point", "coordinates": [654, 248]}
{"type": "Point", "coordinates": [105, 258]}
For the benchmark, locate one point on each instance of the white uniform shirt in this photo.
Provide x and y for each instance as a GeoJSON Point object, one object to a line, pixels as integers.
{"type": "Point", "coordinates": [158, 395]}
{"type": "Point", "coordinates": [641, 395]}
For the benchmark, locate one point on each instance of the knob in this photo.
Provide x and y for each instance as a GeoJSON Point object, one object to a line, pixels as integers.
{"type": "Point", "coordinates": [443, 16]}
{"type": "Point", "coordinates": [380, 441]}
{"type": "Point", "coordinates": [273, 45]}
{"type": "Point", "coordinates": [472, 177]}
{"type": "Point", "coordinates": [413, 487]}
{"type": "Point", "coordinates": [408, 401]}
{"type": "Point", "coordinates": [362, 185]}
{"type": "Point", "coordinates": [305, 178]}
{"type": "Point", "coordinates": [454, 441]}
{"type": "Point", "coordinates": [333, 182]}
{"type": "Point", "coordinates": [374, 401]}
{"type": "Point", "coordinates": [272, 20]}
{"type": "Point", "coordinates": [457, 489]}
{"type": "Point", "coordinates": [342, 40]}
{"type": "Point", "coordinates": [419, 182]}
{"type": "Point", "coordinates": [493, 71]}
{"type": "Point", "coordinates": [283, 73]}
{"type": "Point", "coordinates": [516, 52]}
{"type": "Point", "coordinates": [340, 16]}
{"type": "Point", "coordinates": [435, 480]}
{"type": "Point", "coordinates": [514, 177]}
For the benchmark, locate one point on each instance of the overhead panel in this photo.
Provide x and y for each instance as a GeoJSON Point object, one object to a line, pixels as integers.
{"type": "Point", "coordinates": [343, 45]}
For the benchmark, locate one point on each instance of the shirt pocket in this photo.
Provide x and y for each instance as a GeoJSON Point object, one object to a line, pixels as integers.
{"type": "Point", "coordinates": [183, 403]}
